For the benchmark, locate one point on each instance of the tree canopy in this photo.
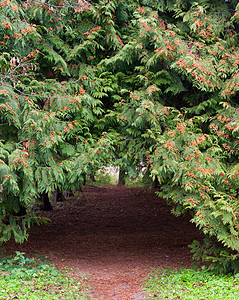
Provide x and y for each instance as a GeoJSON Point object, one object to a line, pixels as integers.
{"type": "Point", "coordinates": [85, 84]}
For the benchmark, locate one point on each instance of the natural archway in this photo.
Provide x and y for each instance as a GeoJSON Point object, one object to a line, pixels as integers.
{"type": "Point", "coordinates": [132, 83]}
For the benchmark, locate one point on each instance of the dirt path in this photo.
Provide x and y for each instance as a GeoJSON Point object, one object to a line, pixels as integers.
{"type": "Point", "coordinates": [116, 235]}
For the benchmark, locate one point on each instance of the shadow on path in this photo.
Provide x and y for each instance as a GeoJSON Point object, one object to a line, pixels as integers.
{"type": "Point", "coordinates": [116, 235]}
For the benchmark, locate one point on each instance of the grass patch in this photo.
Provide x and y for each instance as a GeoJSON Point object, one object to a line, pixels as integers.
{"type": "Point", "coordinates": [195, 284]}
{"type": "Point", "coordinates": [22, 278]}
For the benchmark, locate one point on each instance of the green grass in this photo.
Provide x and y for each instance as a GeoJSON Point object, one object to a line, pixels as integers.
{"type": "Point", "coordinates": [195, 284]}
{"type": "Point", "coordinates": [22, 277]}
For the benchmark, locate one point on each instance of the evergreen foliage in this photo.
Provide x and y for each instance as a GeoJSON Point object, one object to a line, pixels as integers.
{"type": "Point", "coordinates": [152, 83]}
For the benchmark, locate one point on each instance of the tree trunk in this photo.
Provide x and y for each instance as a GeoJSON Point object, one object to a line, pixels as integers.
{"type": "Point", "coordinates": [121, 177]}
{"type": "Point", "coordinates": [156, 184]}
{"type": "Point", "coordinates": [59, 196]}
{"type": "Point", "coordinates": [45, 201]}
{"type": "Point", "coordinates": [92, 177]}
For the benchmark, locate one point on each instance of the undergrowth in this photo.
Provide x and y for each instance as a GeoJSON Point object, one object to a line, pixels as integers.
{"type": "Point", "coordinates": [191, 284]}
{"type": "Point", "coordinates": [23, 278]}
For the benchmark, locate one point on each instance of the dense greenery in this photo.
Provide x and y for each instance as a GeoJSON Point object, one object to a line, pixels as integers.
{"type": "Point", "coordinates": [28, 278]}
{"type": "Point", "coordinates": [133, 83]}
{"type": "Point", "coordinates": [191, 284]}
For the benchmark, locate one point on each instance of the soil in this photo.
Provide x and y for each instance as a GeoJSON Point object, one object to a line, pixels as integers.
{"type": "Point", "coordinates": [116, 235]}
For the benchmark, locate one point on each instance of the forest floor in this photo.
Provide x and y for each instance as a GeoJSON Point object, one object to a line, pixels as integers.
{"type": "Point", "coordinates": [115, 235]}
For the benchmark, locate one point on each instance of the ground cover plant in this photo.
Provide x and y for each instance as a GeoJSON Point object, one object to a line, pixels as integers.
{"type": "Point", "coordinates": [23, 278]}
{"type": "Point", "coordinates": [191, 283]}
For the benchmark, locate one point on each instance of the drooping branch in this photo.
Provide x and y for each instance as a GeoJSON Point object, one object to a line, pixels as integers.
{"type": "Point", "coordinates": [78, 5]}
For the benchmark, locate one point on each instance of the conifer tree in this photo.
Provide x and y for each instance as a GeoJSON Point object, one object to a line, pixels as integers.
{"type": "Point", "coordinates": [133, 83]}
